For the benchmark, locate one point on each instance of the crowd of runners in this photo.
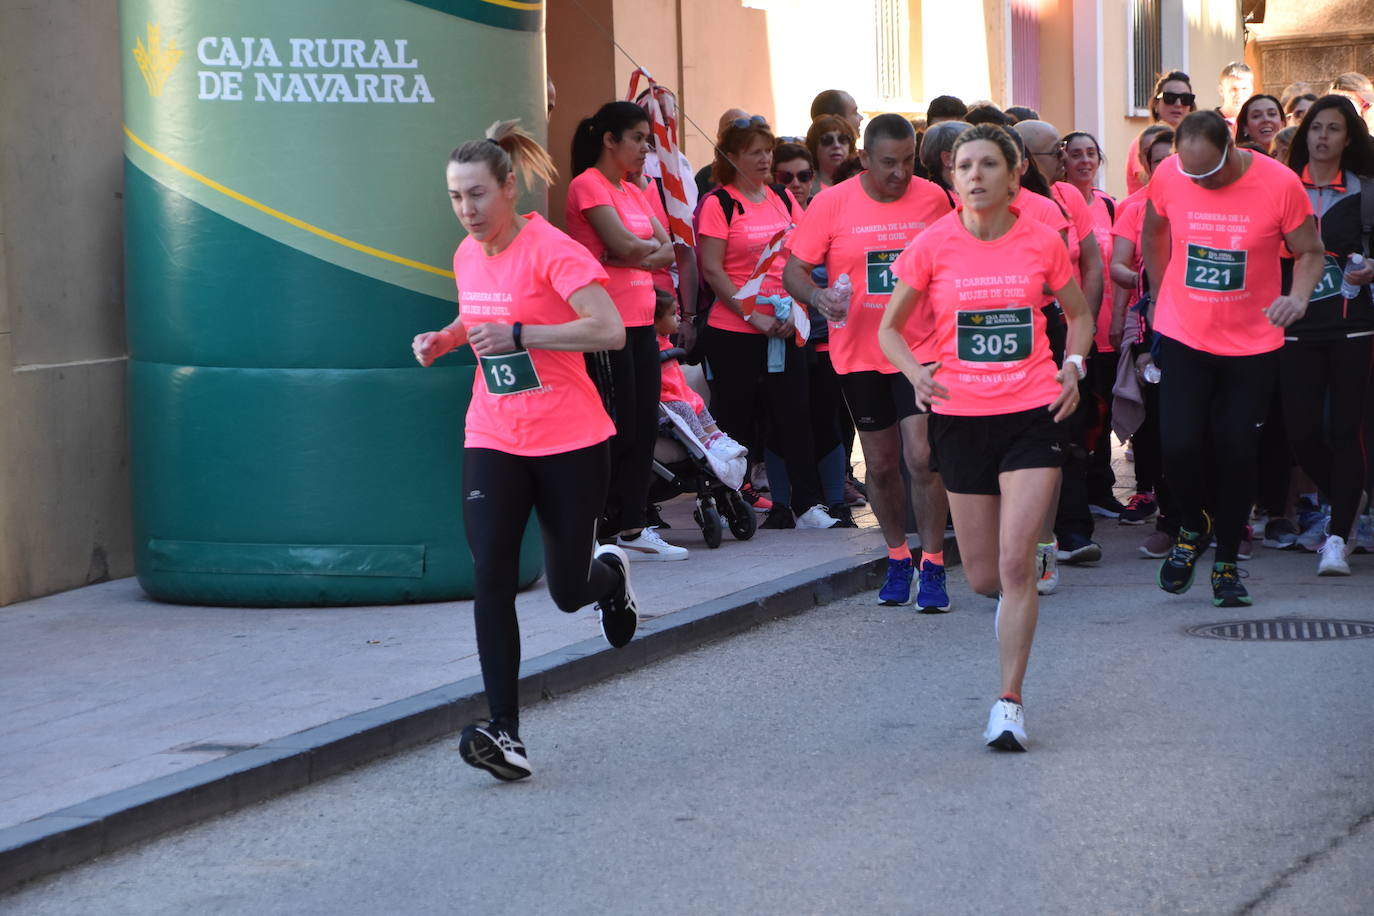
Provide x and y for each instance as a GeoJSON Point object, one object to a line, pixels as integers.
{"type": "Point", "coordinates": [957, 294]}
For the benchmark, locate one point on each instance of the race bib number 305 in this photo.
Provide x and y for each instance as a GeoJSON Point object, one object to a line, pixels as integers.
{"type": "Point", "coordinates": [881, 282]}
{"type": "Point", "coordinates": [1215, 270]}
{"type": "Point", "coordinates": [510, 373]}
{"type": "Point", "coordinates": [994, 335]}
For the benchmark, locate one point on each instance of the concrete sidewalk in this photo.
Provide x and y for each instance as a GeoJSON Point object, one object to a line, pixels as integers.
{"type": "Point", "coordinates": [114, 701]}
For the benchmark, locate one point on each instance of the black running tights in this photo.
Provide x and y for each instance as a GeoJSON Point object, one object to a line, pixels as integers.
{"type": "Point", "coordinates": [566, 492]}
{"type": "Point", "coordinates": [636, 380]}
{"type": "Point", "coordinates": [1324, 387]}
{"type": "Point", "coordinates": [1211, 410]}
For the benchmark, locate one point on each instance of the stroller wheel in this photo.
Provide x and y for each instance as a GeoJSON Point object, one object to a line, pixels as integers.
{"type": "Point", "coordinates": [743, 522]}
{"type": "Point", "coordinates": [708, 518]}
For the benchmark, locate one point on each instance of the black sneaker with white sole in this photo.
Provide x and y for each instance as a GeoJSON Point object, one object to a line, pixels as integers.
{"type": "Point", "coordinates": [619, 612]}
{"type": "Point", "coordinates": [491, 747]}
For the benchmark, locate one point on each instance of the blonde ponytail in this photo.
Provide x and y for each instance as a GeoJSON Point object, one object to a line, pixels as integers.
{"type": "Point", "coordinates": [507, 148]}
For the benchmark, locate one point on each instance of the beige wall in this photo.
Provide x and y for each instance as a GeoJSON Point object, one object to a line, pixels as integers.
{"type": "Point", "coordinates": [64, 492]}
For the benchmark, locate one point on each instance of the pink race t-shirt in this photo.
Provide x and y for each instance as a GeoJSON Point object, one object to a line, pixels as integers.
{"type": "Point", "coordinates": [1224, 255]}
{"type": "Point", "coordinates": [1102, 231]}
{"type": "Point", "coordinates": [663, 277]}
{"type": "Point", "coordinates": [631, 288]}
{"type": "Point", "coordinates": [980, 315]}
{"type": "Point", "coordinates": [746, 236]}
{"type": "Point", "coordinates": [674, 386]}
{"type": "Point", "coordinates": [851, 233]}
{"type": "Point", "coordinates": [530, 282]}
{"type": "Point", "coordinates": [1080, 223]}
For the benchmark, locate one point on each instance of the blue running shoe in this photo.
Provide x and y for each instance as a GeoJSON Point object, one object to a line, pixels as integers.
{"type": "Point", "coordinates": [931, 596]}
{"type": "Point", "coordinates": [896, 591]}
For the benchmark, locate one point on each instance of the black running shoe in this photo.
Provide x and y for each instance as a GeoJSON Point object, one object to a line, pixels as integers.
{"type": "Point", "coordinates": [619, 612]}
{"type": "Point", "coordinates": [491, 747]}
{"type": "Point", "coordinates": [1176, 572]}
{"type": "Point", "coordinates": [841, 512]}
{"type": "Point", "coordinates": [1227, 590]}
{"type": "Point", "coordinates": [779, 517]}
{"type": "Point", "coordinates": [1077, 548]}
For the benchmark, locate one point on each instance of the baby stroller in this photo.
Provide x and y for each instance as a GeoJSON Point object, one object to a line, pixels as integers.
{"type": "Point", "coordinates": [680, 466]}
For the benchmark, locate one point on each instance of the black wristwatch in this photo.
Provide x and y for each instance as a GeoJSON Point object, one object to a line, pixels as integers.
{"type": "Point", "coordinates": [515, 335]}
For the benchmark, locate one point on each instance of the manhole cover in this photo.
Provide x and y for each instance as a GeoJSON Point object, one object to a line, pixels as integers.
{"type": "Point", "coordinates": [1286, 629]}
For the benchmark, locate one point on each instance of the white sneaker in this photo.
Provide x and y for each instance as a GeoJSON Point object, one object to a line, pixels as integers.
{"type": "Point", "coordinates": [1332, 558]}
{"type": "Point", "coordinates": [649, 546]}
{"type": "Point", "coordinates": [1047, 564]}
{"type": "Point", "coordinates": [816, 517]}
{"type": "Point", "coordinates": [1006, 729]}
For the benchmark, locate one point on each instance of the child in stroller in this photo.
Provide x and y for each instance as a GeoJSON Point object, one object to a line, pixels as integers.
{"type": "Point", "coordinates": [693, 455]}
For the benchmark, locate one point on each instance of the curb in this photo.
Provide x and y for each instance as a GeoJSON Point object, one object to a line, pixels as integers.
{"type": "Point", "coordinates": [110, 822]}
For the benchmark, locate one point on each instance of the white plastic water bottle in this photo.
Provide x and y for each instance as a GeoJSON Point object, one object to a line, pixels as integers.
{"type": "Point", "coordinates": [1350, 290]}
{"type": "Point", "coordinates": [843, 291]}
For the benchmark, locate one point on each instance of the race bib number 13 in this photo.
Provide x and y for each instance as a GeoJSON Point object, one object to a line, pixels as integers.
{"type": "Point", "coordinates": [994, 335]}
{"type": "Point", "coordinates": [510, 373]}
{"type": "Point", "coordinates": [1215, 270]}
{"type": "Point", "coordinates": [881, 282]}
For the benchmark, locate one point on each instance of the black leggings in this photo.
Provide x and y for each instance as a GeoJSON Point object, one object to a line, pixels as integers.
{"type": "Point", "coordinates": [566, 491]}
{"type": "Point", "coordinates": [635, 383]}
{"type": "Point", "coordinates": [1211, 410]}
{"type": "Point", "coordinates": [739, 373]}
{"type": "Point", "coordinates": [1325, 387]}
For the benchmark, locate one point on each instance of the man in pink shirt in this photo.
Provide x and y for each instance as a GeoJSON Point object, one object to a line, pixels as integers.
{"type": "Point", "coordinates": [858, 228]}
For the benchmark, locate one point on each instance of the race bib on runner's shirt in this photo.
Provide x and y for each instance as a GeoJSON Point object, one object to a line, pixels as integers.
{"type": "Point", "coordinates": [994, 335]}
{"type": "Point", "coordinates": [1215, 270]}
{"type": "Point", "coordinates": [509, 373]}
{"type": "Point", "coordinates": [881, 281]}
{"type": "Point", "coordinates": [1329, 286]}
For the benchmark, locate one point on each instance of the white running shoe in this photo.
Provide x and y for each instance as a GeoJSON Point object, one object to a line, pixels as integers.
{"type": "Point", "coordinates": [1006, 729]}
{"type": "Point", "coordinates": [816, 517]}
{"type": "Point", "coordinates": [1333, 557]}
{"type": "Point", "coordinates": [1047, 565]}
{"type": "Point", "coordinates": [649, 546]}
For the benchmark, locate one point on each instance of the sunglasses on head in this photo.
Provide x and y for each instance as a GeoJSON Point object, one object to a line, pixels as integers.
{"type": "Point", "coordinates": [752, 121]}
{"type": "Point", "coordinates": [785, 177]}
{"type": "Point", "coordinates": [834, 140]}
{"type": "Point", "coordinates": [1225, 154]}
{"type": "Point", "coordinates": [1177, 98]}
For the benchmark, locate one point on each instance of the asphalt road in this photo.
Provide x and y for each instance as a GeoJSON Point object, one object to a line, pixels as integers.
{"type": "Point", "coordinates": [833, 762]}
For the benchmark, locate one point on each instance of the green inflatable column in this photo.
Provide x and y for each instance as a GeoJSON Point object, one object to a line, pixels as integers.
{"type": "Point", "coordinates": [287, 232]}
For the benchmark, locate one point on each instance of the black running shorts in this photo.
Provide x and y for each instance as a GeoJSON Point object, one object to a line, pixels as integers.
{"type": "Point", "coordinates": [969, 452]}
{"type": "Point", "coordinates": [878, 399]}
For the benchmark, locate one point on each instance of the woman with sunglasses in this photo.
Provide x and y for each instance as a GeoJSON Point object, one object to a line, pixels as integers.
{"type": "Point", "coordinates": [1259, 121]}
{"type": "Point", "coordinates": [970, 289]}
{"type": "Point", "coordinates": [609, 214]}
{"type": "Point", "coordinates": [831, 141]}
{"type": "Point", "coordinates": [795, 170]}
{"type": "Point", "coordinates": [1171, 102]}
{"type": "Point", "coordinates": [1216, 219]}
{"type": "Point", "coordinates": [737, 223]}
{"type": "Point", "coordinates": [531, 302]}
{"type": "Point", "coordinates": [1325, 361]}
{"type": "Point", "coordinates": [1296, 107]}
